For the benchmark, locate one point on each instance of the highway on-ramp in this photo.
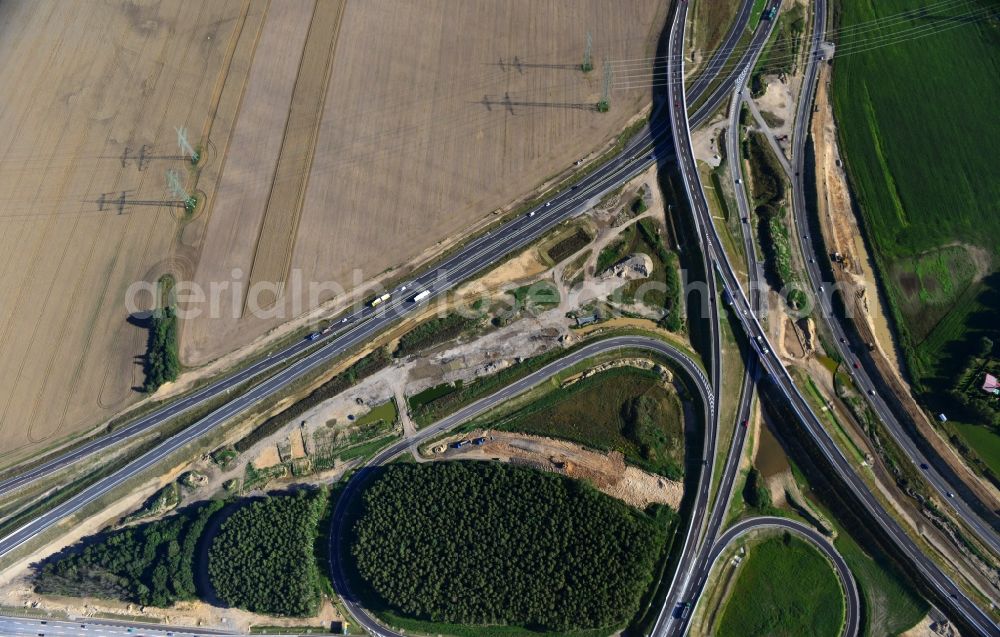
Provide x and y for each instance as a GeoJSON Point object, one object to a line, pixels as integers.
{"type": "Point", "coordinates": [672, 621]}
{"type": "Point", "coordinates": [852, 602]}
{"type": "Point", "coordinates": [363, 326]}
{"type": "Point", "coordinates": [692, 370]}
{"type": "Point", "coordinates": [935, 469]}
{"type": "Point", "coordinates": [947, 592]}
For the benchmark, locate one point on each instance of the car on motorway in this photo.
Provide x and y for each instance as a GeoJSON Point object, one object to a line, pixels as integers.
{"type": "Point", "coordinates": [857, 365]}
{"type": "Point", "coordinates": [313, 336]}
{"type": "Point", "coordinates": [745, 422]}
{"type": "Point", "coordinates": [923, 465]}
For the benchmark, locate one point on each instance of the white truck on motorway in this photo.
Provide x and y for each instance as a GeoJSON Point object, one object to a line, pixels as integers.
{"type": "Point", "coordinates": [421, 296]}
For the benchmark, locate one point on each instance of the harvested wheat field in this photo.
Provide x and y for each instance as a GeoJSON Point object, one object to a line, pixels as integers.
{"type": "Point", "coordinates": [434, 114]}
{"type": "Point", "coordinates": [89, 87]}
{"type": "Point", "coordinates": [334, 135]}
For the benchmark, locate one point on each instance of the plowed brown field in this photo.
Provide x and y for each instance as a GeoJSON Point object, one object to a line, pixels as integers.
{"type": "Point", "coordinates": [81, 82]}
{"type": "Point", "coordinates": [429, 124]}
{"type": "Point", "coordinates": [341, 135]}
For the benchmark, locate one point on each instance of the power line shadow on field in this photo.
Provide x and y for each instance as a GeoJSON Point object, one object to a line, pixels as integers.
{"type": "Point", "coordinates": [516, 64]}
{"type": "Point", "coordinates": [510, 104]}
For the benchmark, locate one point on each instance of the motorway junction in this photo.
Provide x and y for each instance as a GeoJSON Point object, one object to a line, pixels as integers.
{"type": "Point", "coordinates": [726, 369]}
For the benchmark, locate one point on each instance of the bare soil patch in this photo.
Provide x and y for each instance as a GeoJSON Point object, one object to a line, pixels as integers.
{"type": "Point", "coordinates": [606, 472]}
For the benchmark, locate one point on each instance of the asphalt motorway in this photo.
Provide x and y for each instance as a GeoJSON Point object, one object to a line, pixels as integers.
{"type": "Point", "coordinates": [691, 369]}
{"type": "Point", "coordinates": [363, 325]}
{"type": "Point", "coordinates": [985, 530]}
{"type": "Point", "coordinates": [700, 564]}
{"type": "Point", "coordinates": [852, 615]}
{"type": "Point", "coordinates": [945, 589]}
{"type": "Point", "coordinates": [637, 155]}
{"type": "Point", "coordinates": [694, 537]}
{"type": "Point", "coordinates": [90, 627]}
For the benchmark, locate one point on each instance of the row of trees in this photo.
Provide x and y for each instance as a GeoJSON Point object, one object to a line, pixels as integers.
{"type": "Point", "coordinates": [483, 543]}
{"type": "Point", "coordinates": [150, 564]}
{"type": "Point", "coordinates": [262, 559]}
{"type": "Point", "coordinates": [434, 332]}
{"type": "Point", "coordinates": [162, 361]}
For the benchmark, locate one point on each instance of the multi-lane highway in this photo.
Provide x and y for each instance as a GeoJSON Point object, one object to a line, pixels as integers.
{"type": "Point", "coordinates": [699, 563]}
{"type": "Point", "coordinates": [691, 369]}
{"type": "Point", "coordinates": [364, 324]}
{"type": "Point", "coordinates": [721, 56]}
{"type": "Point", "coordinates": [11, 626]}
{"type": "Point", "coordinates": [938, 474]}
{"type": "Point", "coordinates": [361, 327]}
{"type": "Point", "coordinates": [852, 616]}
{"type": "Point", "coordinates": [945, 589]}
{"type": "Point", "coordinates": [640, 153]}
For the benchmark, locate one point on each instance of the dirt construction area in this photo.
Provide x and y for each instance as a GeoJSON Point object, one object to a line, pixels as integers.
{"type": "Point", "coordinates": [335, 136]}
{"type": "Point", "coordinates": [607, 472]}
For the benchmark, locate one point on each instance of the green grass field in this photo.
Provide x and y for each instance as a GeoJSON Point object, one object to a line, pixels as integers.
{"type": "Point", "coordinates": [984, 441]}
{"type": "Point", "coordinates": [755, 13]}
{"type": "Point", "coordinates": [917, 123]}
{"type": "Point", "coordinates": [784, 588]}
{"type": "Point", "coordinates": [385, 412]}
{"type": "Point", "coordinates": [624, 409]}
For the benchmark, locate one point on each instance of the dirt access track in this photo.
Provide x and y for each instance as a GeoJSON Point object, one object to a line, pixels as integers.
{"type": "Point", "coordinates": [338, 136]}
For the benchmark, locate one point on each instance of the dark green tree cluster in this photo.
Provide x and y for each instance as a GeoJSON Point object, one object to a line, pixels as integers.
{"type": "Point", "coordinates": [768, 184]}
{"type": "Point", "coordinates": [162, 361]}
{"type": "Point", "coordinates": [569, 245]}
{"type": "Point", "coordinates": [755, 492]}
{"type": "Point", "coordinates": [262, 559]}
{"type": "Point", "coordinates": [148, 564]}
{"type": "Point", "coordinates": [490, 544]}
